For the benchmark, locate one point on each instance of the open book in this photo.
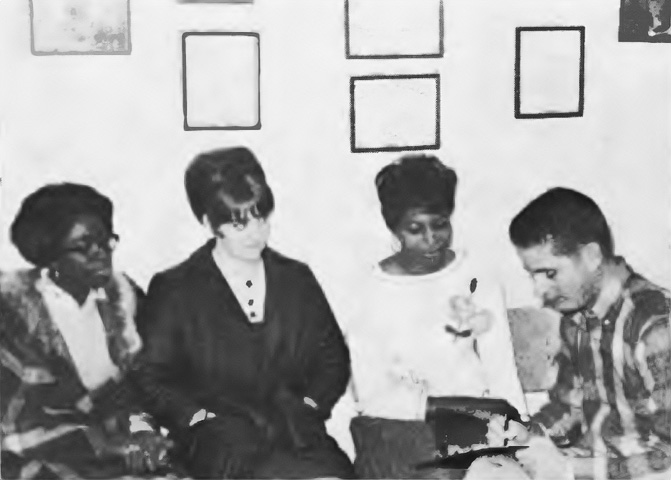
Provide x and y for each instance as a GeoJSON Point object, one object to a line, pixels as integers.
{"type": "Point", "coordinates": [461, 426]}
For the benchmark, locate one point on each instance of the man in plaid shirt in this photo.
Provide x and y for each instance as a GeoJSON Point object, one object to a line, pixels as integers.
{"type": "Point", "coordinates": [612, 399]}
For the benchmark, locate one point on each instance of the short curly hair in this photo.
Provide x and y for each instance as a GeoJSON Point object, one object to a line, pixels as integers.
{"type": "Point", "coordinates": [415, 181]}
{"type": "Point", "coordinates": [47, 214]}
{"type": "Point", "coordinates": [566, 218]}
{"type": "Point", "coordinates": [218, 180]}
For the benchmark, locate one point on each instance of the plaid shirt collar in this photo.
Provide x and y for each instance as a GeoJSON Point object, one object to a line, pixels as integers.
{"type": "Point", "coordinates": [616, 275]}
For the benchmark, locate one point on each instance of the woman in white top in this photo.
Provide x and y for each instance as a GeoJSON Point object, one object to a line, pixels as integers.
{"type": "Point", "coordinates": [432, 324]}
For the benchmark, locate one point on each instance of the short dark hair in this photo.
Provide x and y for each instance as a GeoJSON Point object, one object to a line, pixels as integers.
{"type": "Point", "coordinates": [216, 179]}
{"type": "Point", "coordinates": [415, 181]}
{"type": "Point", "coordinates": [565, 217]}
{"type": "Point", "coordinates": [46, 216]}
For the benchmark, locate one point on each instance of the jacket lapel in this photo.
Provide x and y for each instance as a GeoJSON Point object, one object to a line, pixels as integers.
{"type": "Point", "coordinates": [117, 308]}
{"type": "Point", "coordinates": [272, 311]}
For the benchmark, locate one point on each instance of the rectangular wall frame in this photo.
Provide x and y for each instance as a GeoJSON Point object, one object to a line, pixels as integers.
{"type": "Point", "coordinates": [394, 113]}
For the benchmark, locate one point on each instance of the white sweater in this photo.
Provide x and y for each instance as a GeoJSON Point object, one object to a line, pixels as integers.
{"type": "Point", "coordinates": [401, 352]}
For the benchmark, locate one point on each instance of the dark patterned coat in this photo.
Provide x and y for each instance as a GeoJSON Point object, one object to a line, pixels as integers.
{"type": "Point", "coordinates": [51, 424]}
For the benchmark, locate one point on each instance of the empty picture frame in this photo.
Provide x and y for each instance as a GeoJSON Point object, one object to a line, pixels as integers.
{"type": "Point", "coordinates": [394, 29]}
{"type": "Point", "coordinates": [221, 80]}
{"type": "Point", "coordinates": [80, 27]}
{"type": "Point", "coordinates": [549, 72]}
{"type": "Point", "coordinates": [391, 113]}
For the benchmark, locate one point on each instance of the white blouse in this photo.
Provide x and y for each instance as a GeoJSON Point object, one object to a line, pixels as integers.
{"type": "Point", "coordinates": [401, 352]}
{"type": "Point", "coordinates": [248, 285]}
{"type": "Point", "coordinates": [83, 331]}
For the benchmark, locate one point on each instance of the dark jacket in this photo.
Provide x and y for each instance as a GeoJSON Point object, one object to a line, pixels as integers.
{"type": "Point", "coordinates": [200, 350]}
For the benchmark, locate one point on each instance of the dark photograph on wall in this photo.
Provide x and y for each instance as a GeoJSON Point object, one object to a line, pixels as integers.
{"type": "Point", "coordinates": [645, 21]}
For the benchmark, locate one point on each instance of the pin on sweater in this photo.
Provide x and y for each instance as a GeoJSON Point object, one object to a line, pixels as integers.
{"type": "Point", "coordinates": [472, 321]}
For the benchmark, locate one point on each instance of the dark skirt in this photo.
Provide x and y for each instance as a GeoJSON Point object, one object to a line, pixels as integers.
{"type": "Point", "coordinates": [392, 448]}
{"type": "Point", "coordinates": [325, 461]}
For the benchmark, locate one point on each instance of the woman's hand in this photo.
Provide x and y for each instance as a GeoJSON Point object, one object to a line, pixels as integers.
{"type": "Point", "coordinates": [146, 452]}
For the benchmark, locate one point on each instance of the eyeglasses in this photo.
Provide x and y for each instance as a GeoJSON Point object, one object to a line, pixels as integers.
{"type": "Point", "coordinates": [240, 226]}
{"type": "Point", "coordinates": [88, 246]}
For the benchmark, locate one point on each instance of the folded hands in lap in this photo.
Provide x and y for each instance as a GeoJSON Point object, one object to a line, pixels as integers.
{"type": "Point", "coordinates": [144, 452]}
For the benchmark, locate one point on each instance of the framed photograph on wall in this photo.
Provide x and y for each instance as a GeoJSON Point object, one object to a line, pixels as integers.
{"type": "Point", "coordinates": [646, 21]}
{"type": "Point", "coordinates": [391, 113]}
{"type": "Point", "coordinates": [549, 72]}
{"type": "Point", "coordinates": [221, 81]}
{"type": "Point", "coordinates": [394, 29]}
{"type": "Point", "coordinates": [80, 27]}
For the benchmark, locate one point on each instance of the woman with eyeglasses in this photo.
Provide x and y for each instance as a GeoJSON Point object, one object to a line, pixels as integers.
{"type": "Point", "coordinates": [243, 358]}
{"type": "Point", "coordinates": [67, 343]}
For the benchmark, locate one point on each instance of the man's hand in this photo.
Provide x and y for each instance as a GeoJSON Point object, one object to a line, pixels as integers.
{"type": "Point", "coordinates": [515, 434]}
{"type": "Point", "coordinates": [544, 460]}
{"type": "Point", "coordinates": [496, 468]}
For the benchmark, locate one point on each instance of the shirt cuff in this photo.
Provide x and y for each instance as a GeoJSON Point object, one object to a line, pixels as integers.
{"type": "Point", "coordinates": [199, 416]}
{"type": "Point", "coordinates": [140, 423]}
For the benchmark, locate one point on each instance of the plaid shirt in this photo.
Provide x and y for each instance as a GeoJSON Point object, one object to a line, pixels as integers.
{"type": "Point", "coordinates": [613, 391]}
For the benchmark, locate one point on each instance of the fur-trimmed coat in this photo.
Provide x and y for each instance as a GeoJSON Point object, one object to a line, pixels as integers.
{"type": "Point", "coordinates": [49, 419]}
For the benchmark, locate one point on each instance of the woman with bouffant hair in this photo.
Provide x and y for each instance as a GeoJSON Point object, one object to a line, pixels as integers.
{"type": "Point", "coordinates": [68, 343]}
{"type": "Point", "coordinates": [432, 324]}
{"type": "Point", "coordinates": [244, 359]}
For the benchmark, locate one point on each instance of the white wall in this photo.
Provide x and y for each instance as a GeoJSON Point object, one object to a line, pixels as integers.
{"type": "Point", "coordinates": [116, 122]}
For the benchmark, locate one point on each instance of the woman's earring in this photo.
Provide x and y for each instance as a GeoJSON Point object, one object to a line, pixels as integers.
{"type": "Point", "coordinates": [54, 273]}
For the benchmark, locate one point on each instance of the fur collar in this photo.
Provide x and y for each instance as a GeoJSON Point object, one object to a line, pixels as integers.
{"type": "Point", "coordinates": [20, 291]}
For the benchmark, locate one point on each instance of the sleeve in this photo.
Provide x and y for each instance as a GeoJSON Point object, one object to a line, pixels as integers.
{"type": "Point", "coordinates": [653, 356]}
{"type": "Point", "coordinates": [30, 388]}
{"type": "Point", "coordinates": [11, 367]}
{"type": "Point", "coordinates": [564, 411]}
{"type": "Point", "coordinates": [159, 370]}
{"type": "Point", "coordinates": [329, 371]}
{"type": "Point", "coordinates": [498, 356]}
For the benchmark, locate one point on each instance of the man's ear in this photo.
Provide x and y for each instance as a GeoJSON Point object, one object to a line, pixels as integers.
{"type": "Point", "coordinates": [592, 256]}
